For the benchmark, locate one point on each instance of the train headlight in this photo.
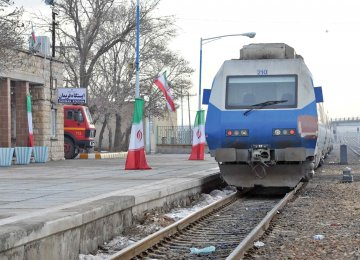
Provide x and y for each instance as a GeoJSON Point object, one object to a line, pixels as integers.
{"type": "Point", "coordinates": [284, 131]}
{"type": "Point", "coordinates": [237, 132]}
{"type": "Point", "coordinates": [277, 132]}
{"type": "Point", "coordinates": [244, 132]}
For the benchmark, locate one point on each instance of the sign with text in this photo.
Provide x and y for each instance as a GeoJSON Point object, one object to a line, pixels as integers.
{"type": "Point", "coordinates": [72, 95]}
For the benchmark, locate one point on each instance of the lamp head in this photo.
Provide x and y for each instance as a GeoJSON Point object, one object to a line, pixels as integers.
{"type": "Point", "coordinates": [250, 34]}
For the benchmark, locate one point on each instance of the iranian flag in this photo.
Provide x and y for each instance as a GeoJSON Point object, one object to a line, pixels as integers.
{"type": "Point", "coordinates": [29, 117]}
{"type": "Point", "coordinates": [161, 83]}
{"type": "Point", "coordinates": [33, 37]}
{"type": "Point", "coordinates": [198, 142]}
{"type": "Point", "coordinates": [135, 159]}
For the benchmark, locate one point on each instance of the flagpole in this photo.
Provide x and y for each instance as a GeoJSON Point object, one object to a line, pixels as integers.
{"type": "Point", "coordinates": [137, 83]}
{"type": "Point", "coordinates": [136, 159]}
{"type": "Point", "coordinates": [201, 44]}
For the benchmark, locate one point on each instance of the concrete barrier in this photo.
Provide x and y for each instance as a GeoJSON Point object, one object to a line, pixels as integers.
{"type": "Point", "coordinates": [102, 155]}
{"type": "Point", "coordinates": [65, 233]}
{"type": "Point", "coordinates": [68, 231]}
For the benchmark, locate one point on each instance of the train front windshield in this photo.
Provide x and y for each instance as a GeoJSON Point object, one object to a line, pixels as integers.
{"type": "Point", "coordinates": [246, 91]}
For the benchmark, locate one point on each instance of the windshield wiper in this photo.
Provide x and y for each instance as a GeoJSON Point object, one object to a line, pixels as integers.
{"type": "Point", "coordinates": [264, 104]}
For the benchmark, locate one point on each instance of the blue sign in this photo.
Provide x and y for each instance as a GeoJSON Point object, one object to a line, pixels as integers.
{"type": "Point", "coordinates": [206, 96]}
{"type": "Point", "coordinates": [72, 95]}
{"type": "Point", "coordinates": [318, 95]}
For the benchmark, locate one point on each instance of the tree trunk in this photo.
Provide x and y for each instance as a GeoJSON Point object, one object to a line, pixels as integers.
{"type": "Point", "coordinates": [111, 148]}
{"type": "Point", "coordinates": [117, 139]}
{"type": "Point", "coordinates": [125, 143]}
{"type": "Point", "coordinates": [101, 135]}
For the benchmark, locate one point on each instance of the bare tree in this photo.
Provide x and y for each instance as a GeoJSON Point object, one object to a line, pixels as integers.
{"type": "Point", "coordinates": [113, 85]}
{"type": "Point", "coordinates": [98, 39]}
{"type": "Point", "coordinates": [10, 31]}
{"type": "Point", "coordinates": [81, 25]}
{"type": "Point", "coordinates": [111, 88]}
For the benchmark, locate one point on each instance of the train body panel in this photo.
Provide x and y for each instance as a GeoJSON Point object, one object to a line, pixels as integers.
{"type": "Point", "coordinates": [260, 128]}
{"type": "Point", "coordinates": [254, 68]}
{"type": "Point", "coordinates": [263, 119]}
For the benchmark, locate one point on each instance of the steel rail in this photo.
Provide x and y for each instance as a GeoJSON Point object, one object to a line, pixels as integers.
{"type": "Point", "coordinates": [151, 240]}
{"type": "Point", "coordinates": [144, 244]}
{"type": "Point", "coordinates": [247, 243]}
{"type": "Point", "coordinates": [351, 147]}
{"type": "Point", "coordinates": [349, 141]}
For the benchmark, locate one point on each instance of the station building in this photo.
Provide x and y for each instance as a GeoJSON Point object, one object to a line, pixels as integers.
{"type": "Point", "coordinates": [36, 75]}
{"type": "Point", "coordinates": [39, 76]}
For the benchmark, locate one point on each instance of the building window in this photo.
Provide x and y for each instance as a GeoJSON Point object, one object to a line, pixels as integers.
{"type": "Point", "coordinates": [54, 83]}
{"type": "Point", "coordinates": [53, 122]}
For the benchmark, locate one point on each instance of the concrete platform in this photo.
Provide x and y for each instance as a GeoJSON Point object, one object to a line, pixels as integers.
{"type": "Point", "coordinates": [59, 209]}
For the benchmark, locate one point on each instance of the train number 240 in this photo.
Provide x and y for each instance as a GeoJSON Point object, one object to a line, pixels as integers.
{"type": "Point", "coordinates": [262, 72]}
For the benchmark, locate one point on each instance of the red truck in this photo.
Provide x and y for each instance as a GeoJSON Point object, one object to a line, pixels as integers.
{"type": "Point", "coordinates": [79, 130]}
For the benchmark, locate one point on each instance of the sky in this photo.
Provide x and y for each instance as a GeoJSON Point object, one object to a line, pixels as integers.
{"type": "Point", "coordinates": [324, 32]}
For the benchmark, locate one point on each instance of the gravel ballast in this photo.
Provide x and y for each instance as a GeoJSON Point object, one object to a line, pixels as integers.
{"type": "Point", "coordinates": [322, 221]}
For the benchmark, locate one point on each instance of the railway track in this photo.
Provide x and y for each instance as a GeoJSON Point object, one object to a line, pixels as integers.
{"type": "Point", "coordinates": [353, 144]}
{"type": "Point", "coordinates": [231, 225]}
{"type": "Point", "coordinates": [355, 150]}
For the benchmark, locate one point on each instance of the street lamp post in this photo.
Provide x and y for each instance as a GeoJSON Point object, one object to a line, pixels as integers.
{"type": "Point", "coordinates": [207, 40]}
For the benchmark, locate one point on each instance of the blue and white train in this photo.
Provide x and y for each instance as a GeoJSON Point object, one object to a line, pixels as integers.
{"type": "Point", "coordinates": [265, 122]}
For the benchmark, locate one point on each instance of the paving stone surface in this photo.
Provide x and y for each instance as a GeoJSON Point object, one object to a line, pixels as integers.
{"type": "Point", "coordinates": [26, 189]}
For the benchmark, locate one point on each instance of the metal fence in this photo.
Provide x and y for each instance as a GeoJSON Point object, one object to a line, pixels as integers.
{"type": "Point", "coordinates": [345, 119]}
{"type": "Point", "coordinates": [176, 135]}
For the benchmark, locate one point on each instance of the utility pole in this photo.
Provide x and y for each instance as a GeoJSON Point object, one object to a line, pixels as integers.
{"type": "Point", "coordinates": [188, 96]}
{"type": "Point", "coordinates": [53, 24]}
{"type": "Point", "coordinates": [53, 30]}
{"type": "Point", "coordinates": [182, 109]}
{"type": "Point", "coordinates": [182, 106]}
